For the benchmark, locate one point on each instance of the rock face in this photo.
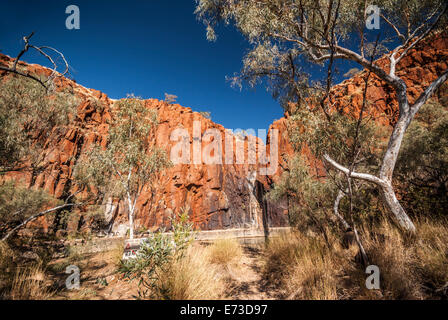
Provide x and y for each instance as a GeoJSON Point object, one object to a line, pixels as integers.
{"type": "Point", "coordinates": [220, 196]}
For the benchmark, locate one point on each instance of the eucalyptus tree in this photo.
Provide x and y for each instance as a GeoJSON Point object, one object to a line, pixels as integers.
{"type": "Point", "coordinates": [288, 37]}
{"type": "Point", "coordinates": [130, 161]}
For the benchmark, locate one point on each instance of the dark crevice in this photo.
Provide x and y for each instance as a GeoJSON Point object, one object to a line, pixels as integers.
{"type": "Point", "coordinates": [260, 193]}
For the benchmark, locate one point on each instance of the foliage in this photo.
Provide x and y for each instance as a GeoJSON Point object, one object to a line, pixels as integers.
{"type": "Point", "coordinates": [206, 114]}
{"type": "Point", "coordinates": [170, 98]}
{"type": "Point", "coordinates": [18, 203]}
{"type": "Point", "coordinates": [156, 254]}
{"type": "Point", "coordinates": [309, 198]}
{"type": "Point", "coordinates": [422, 167]}
{"type": "Point", "coordinates": [28, 115]}
{"type": "Point", "coordinates": [310, 191]}
{"type": "Point", "coordinates": [129, 162]}
{"type": "Point", "coordinates": [128, 157]}
{"type": "Point", "coordinates": [285, 36]}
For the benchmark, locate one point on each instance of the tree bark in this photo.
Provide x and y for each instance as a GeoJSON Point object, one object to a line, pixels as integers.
{"type": "Point", "coordinates": [387, 169]}
{"type": "Point", "coordinates": [339, 197]}
{"type": "Point", "coordinates": [131, 218]}
{"type": "Point", "coordinates": [395, 207]}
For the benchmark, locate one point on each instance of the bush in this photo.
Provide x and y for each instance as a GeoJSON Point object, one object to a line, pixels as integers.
{"type": "Point", "coordinates": [18, 203]}
{"type": "Point", "coordinates": [156, 256]}
{"type": "Point", "coordinates": [27, 116]}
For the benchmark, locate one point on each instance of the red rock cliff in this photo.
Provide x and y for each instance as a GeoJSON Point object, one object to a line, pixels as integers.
{"type": "Point", "coordinates": [220, 196]}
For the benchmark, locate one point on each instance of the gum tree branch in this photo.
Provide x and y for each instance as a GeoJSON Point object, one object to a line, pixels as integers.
{"type": "Point", "coordinates": [34, 217]}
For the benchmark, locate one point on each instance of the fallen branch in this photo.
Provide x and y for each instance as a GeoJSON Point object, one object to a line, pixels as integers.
{"type": "Point", "coordinates": [34, 217]}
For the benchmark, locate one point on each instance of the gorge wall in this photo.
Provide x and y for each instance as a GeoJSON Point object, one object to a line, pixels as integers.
{"type": "Point", "coordinates": [220, 196]}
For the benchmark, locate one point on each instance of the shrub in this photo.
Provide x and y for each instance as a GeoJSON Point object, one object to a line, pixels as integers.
{"type": "Point", "coordinates": [27, 116]}
{"type": "Point", "coordinates": [156, 256]}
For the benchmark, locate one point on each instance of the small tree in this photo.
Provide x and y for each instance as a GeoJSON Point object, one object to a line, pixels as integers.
{"type": "Point", "coordinates": [129, 162]}
{"type": "Point", "coordinates": [170, 98]}
{"type": "Point", "coordinates": [206, 114]}
{"type": "Point", "coordinates": [287, 34]}
{"type": "Point", "coordinates": [157, 254]}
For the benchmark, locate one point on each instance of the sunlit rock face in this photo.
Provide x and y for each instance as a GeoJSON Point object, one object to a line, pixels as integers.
{"type": "Point", "coordinates": [220, 196]}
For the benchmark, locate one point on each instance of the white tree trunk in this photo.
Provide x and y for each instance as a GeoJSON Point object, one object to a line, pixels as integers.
{"type": "Point", "coordinates": [339, 197]}
{"type": "Point", "coordinates": [131, 218]}
{"type": "Point", "coordinates": [407, 113]}
{"type": "Point", "coordinates": [387, 169]}
{"type": "Point", "coordinates": [397, 210]}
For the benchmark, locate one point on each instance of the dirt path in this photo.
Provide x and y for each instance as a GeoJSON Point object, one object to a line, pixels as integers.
{"type": "Point", "coordinates": [246, 279]}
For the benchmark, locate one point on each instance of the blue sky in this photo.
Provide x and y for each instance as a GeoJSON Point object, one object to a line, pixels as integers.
{"type": "Point", "coordinates": [146, 48]}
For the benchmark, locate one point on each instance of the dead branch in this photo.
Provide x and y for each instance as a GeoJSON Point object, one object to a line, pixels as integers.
{"type": "Point", "coordinates": [41, 51]}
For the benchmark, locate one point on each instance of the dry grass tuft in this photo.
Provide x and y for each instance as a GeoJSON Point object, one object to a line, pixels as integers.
{"type": "Point", "coordinates": [225, 252]}
{"type": "Point", "coordinates": [191, 277]}
{"type": "Point", "coordinates": [29, 284]}
{"type": "Point", "coordinates": [117, 254]}
{"type": "Point", "coordinates": [6, 257]}
{"type": "Point", "coordinates": [303, 267]}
